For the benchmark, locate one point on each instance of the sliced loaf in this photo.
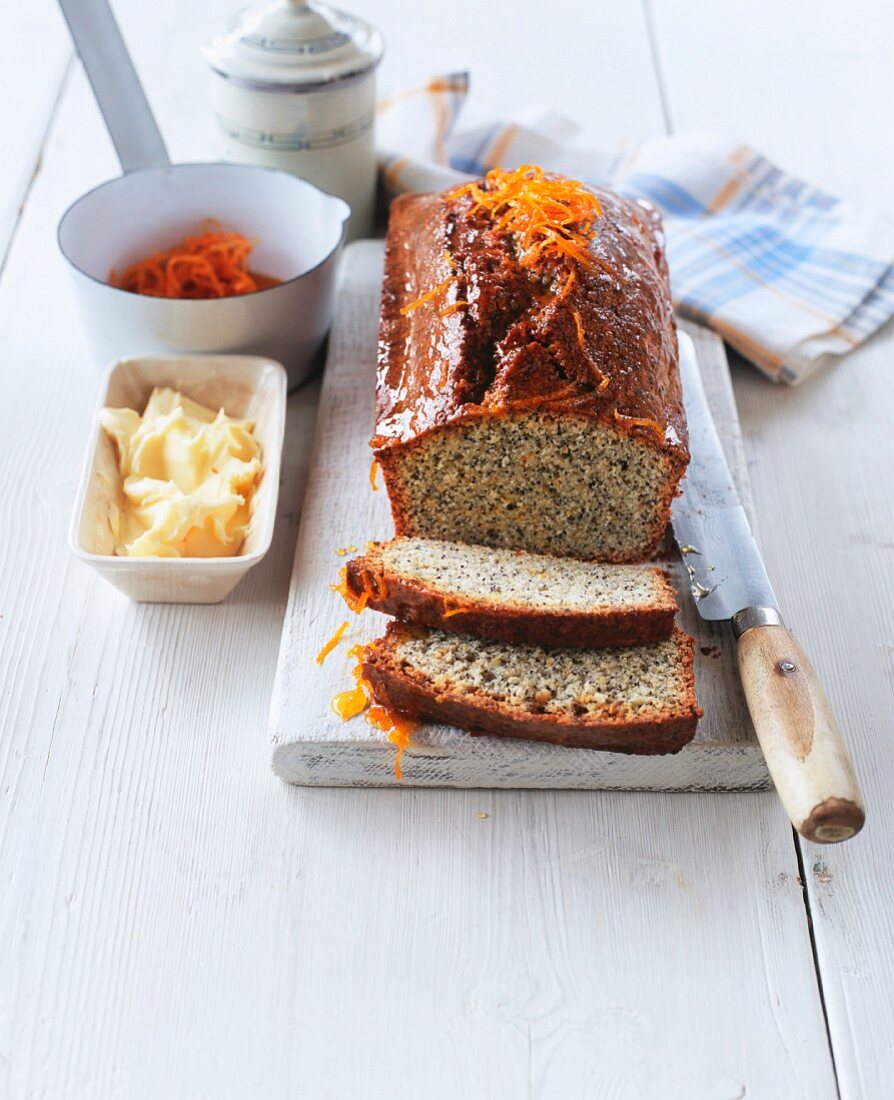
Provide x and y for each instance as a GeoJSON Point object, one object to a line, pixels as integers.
{"type": "Point", "coordinates": [511, 596]}
{"type": "Point", "coordinates": [527, 397]}
{"type": "Point", "coordinates": [638, 700]}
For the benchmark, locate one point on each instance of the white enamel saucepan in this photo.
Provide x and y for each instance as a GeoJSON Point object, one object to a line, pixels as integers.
{"type": "Point", "coordinates": [296, 228]}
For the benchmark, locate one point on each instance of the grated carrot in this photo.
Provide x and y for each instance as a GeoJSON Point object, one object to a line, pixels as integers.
{"type": "Point", "coordinates": [211, 264]}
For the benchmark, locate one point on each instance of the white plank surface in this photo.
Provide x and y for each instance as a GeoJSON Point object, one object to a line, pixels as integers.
{"type": "Point", "coordinates": [176, 923]}
{"type": "Point", "coordinates": [312, 745]}
{"type": "Point", "coordinates": [814, 89]}
{"type": "Point", "coordinates": [34, 57]}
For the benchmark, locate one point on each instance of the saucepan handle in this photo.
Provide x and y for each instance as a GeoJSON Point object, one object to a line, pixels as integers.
{"type": "Point", "coordinates": [115, 84]}
{"type": "Point", "coordinates": [801, 739]}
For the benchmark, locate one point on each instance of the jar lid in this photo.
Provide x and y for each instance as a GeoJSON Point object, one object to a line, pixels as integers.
{"type": "Point", "coordinates": [294, 44]}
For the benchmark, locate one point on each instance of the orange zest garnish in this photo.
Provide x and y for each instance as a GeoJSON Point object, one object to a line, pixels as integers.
{"type": "Point", "coordinates": [373, 585]}
{"type": "Point", "coordinates": [355, 603]}
{"type": "Point", "coordinates": [350, 703]}
{"type": "Point", "coordinates": [438, 290]}
{"type": "Point", "coordinates": [569, 283]}
{"type": "Point", "coordinates": [356, 700]}
{"type": "Point", "coordinates": [452, 308]}
{"type": "Point", "coordinates": [600, 376]}
{"type": "Point", "coordinates": [373, 470]}
{"type": "Point", "coordinates": [546, 398]}
{"type": "Point", "coordinates": [332, 643]}
{"type": "Point", "coordinates": [398, 729]}
{"type": "Point", "coordinates": [211, 264]}
{"type": "Point", "coordinates": [544, 214]}
{"type": "Point", "coordinates": [448, 611]}
{"type": "Point", "coordinates": [641, 422]}
{"type": "Point", "coordinates": [428, 295]}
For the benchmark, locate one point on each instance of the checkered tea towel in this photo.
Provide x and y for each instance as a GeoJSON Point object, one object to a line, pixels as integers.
{"type": "Point", "coordinates": [788, 275]}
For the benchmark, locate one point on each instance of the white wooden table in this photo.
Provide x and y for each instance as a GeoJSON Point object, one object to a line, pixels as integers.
{"type": "Point", "coordinates": [174, 922]}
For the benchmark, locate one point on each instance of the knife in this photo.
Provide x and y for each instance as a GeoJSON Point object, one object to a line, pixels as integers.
{"type": "Point", "coordinates": [801, 740]}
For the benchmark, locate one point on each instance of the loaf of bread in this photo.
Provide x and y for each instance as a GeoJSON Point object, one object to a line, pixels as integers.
{"type": "Point", "coordinates": [512, 596]}
{"type": "Point", "coordinates": [528, 393]}
{"type": "Point", "coordinates": [635, 699]}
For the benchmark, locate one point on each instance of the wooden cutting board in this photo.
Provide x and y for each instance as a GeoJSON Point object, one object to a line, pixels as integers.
{"type": "Point", "coordinates": [311, 745]}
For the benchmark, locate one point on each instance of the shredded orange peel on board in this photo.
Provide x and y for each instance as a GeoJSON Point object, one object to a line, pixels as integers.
{"type": "Point", "coordinates": [356, 700]}
{"type": "Point", "coordinates": [332, 643]}
{"type": "Point", "coordinates": [210, 264]}
{"type": "Point", "coordinates": [373, 585]}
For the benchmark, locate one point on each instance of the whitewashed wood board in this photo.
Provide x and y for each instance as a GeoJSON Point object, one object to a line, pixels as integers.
{"type": "Point", "coordinates": [311, 745]}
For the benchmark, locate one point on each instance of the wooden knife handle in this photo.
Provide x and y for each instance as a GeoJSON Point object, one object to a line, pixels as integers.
{"type": "Point", "coordinates": [802, 742]}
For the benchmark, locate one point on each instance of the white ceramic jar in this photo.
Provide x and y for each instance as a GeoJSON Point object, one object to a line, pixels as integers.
{"type": "Point", "coordinates": [294, 88]}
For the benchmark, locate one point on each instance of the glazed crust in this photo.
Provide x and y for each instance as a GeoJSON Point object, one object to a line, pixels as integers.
{"type": "Point", "coordinates": [516, 341]}
{"type": "Point", "coordinates": [413, 602]}
{"type": "Point", "coordinates": [517, 338]}
{"type": "Point", "coordinates": [401, 691]}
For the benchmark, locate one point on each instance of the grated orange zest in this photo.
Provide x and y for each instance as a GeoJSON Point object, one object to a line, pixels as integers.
{"type": "Point", "coordinates": [348, 704]}
{"type": "Point", "coordinates": [398, 728]}
{"type": "Point", "coordinates": [581, 339]}
{"type": "Point", "coordinates": [566, 289]}
{"type": "Point", "coordinates": [373, 584]}
{"type": "Point", "coordinates": [355, 603]}
{"type": "Point", "coordinates": [448, 611]}
{"type": "Point", "coordinates": [543, 213]}
{"type": "Point", "coordinates": [373, 470]}
{"type": "Point", "coordinates": [641, 422]}
{"type": "Point", "coordinates": [570, 390]}
{"type": "Point", "coordinates": [332, 643]}
{"type": "Point", "coordinates": [428, 295]}
{"type": "Point", "coordinates": [452, 308]}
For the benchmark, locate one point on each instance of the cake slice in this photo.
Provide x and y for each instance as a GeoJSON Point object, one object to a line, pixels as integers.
{"type": "Point", "coordinates": [638, 699]}
{"type": "Point", "coordinates": [512, 596]}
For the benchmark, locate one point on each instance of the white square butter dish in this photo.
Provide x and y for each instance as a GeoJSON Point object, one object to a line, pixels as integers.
{"type": "Point", "coordinates": [244, 386]}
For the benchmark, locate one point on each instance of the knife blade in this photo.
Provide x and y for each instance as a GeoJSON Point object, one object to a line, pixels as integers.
{"type": "Point", "coordinates": [800, 737]}
{"type": "Point", "coordinates": [725, 568]}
